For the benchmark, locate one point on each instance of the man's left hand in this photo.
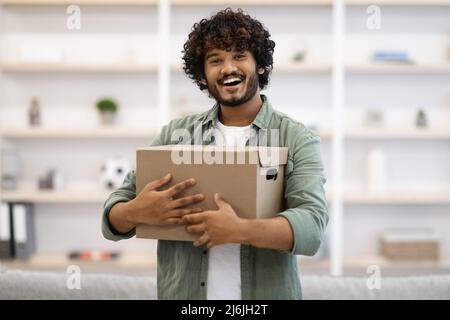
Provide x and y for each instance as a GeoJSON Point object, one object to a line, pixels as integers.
{"type": "Point", "coordinates": [216, 226]}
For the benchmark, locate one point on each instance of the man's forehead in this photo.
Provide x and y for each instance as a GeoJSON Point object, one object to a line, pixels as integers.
{"type": "Point", "coordinates": [216, 51]}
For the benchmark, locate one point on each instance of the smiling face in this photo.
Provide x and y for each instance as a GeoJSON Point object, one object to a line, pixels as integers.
{"type": "Point", "coordinates": [231, 76]}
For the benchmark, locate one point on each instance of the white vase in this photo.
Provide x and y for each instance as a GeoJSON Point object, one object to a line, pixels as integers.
{"type": "Point", "coordinates": [107, 118]}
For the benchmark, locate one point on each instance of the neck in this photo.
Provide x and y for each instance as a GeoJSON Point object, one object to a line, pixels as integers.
{"type": "Point", "coordinates": [242, 115]}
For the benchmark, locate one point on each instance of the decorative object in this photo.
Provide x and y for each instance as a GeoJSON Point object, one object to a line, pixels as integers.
{"type": "Point", "coordinates": [395, 56]}
{"type": "Point", "coordinates": [374, 118]}
{"type": "Point", "coordinates": [300, 51]}
{"type": "Point", "coordinates": [34, 113]}
{"type": "Point", "coordinates": [113, 172]}
{"type": "Point", "coordinates": [376, 171]}
{"type": "Point", "coordinates": [421, 119]}
{"type": "Point", "coordinates": [11, 167]}
{"type": "Point", "coordinates": [94, 255]}
{"type": "Point", "coordinates": [410, 244]}
{"type": "Point", "coordinates": [52, 180]}
{"type": "Point", "coordinates": [108, 109]}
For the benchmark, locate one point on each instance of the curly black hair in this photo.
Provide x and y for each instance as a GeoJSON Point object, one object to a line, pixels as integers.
{"type": "Point", "coordinates": [228, 30]}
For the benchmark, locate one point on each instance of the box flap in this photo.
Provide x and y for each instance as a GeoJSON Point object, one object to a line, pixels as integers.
{"type": "Point", "coordinates": [267, 156]}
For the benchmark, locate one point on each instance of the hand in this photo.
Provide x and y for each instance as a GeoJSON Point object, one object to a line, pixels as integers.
{"type": "Point", "coordinates": [216, 226]}
{"type": "Point", "coordinates": [158, 207]}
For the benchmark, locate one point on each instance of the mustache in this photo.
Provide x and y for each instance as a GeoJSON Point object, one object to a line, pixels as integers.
{"type": "Point", "coordinates": [234, 74]}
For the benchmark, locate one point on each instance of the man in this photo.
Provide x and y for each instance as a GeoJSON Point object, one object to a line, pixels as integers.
{"type": "Point", "coordinates": [230, 55]}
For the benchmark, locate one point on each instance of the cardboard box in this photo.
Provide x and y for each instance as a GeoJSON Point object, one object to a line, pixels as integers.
{"type": "Point", "coordinates": [250, 179]}
{"type": "Point", "coordinates": [410, 245]}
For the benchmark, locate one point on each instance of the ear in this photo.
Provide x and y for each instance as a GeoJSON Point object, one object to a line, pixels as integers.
{"type": "Point", "coordinates": [261, 70]}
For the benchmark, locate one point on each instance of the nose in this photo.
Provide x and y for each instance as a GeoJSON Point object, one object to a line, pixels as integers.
{"type": "Point", "coordinates": [228, 67]}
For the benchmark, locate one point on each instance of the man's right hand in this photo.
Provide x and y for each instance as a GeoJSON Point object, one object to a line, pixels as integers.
{"type": "Point", "coordinates": [158, 207]}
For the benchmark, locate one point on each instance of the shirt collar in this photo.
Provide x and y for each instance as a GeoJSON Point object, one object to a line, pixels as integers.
{"type": "Point", "coordinates": [261, 120]}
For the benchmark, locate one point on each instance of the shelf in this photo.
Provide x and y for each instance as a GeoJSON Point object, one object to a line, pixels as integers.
{"type": "Point", "coordinates": [384, 263]}
{"type": "Point", "coordinates": [388, 133]}
{"type": "Point", "coordinates": [79, 2]}
{"type": "Point", "coordinates": [399, 2]}
{"type": "Point", "coordinates": [252, 2]}
{"type": "Point", "coordinates": [99, 133]}
{"type": "Point", "coordinates": [356, 266]}
{"type": "Point", "coordinates": [66, 67]}
{"type": "Point", "coordinates": [174, 2]}
{"type": "Point", "coordinates": [383, 68]}
{"type": "Point", "coordinates": [54, 197]}
{"type": "Point", "coordinates": [284, 67]}
{"type": "Point", "coordinates": [397, 198]}
{"type": "Point", "coordinates": [127, 262]}
{"type": "Point", "coordinates": [302, 67]}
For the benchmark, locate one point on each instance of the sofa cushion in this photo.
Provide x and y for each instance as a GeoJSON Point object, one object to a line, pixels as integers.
{"type": "Point", "coordinates": [16, 284]}
{"type": "Point", "coordinates": [45, 285]}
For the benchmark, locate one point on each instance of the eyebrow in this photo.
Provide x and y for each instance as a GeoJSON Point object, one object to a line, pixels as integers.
{"type": "Point", "coordinates": [211, 55]}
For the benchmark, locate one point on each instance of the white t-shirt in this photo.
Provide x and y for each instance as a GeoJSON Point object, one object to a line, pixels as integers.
{"type": "Point", "coordinates": [224, 268]}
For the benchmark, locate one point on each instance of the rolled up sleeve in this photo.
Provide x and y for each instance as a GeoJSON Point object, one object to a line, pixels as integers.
{"type": "Point", "coordinates": [307, 210]}
{"type": "Point", "coordinates": [125, 193]}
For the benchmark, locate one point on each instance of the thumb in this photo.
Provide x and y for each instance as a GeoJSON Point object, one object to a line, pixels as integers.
{"type": "Point", "coordinates": [219, 201]}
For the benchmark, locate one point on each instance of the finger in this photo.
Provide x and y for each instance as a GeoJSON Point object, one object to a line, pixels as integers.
{"type": "Point", "coordinates": [219, 201]}
{"type": "Point", "coordinates": [196, 228]}
{"type": "Point", "coordinates": [180, 187]}
{"type": "Point", "coordinates": [202, 240]}
{"type": "Point", "coordinates": [173, 221]}
{"type": "Point", "coordinates": [194, 218]}
{"type": "Point", "coordinates": [178, 213]}
{"type": "Point", "coordinates": [153, 185]}
{"type": "Point", "coordinates": [186, 201]}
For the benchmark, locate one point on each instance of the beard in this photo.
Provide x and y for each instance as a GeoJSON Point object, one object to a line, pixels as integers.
{"type": "Point", "coordinates": [250, 91]}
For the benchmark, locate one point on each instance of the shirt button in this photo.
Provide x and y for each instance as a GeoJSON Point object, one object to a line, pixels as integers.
{"type": "Point", "coordinates": [202, 284]}
{"type": "Point", "coordinates": [205, 251]}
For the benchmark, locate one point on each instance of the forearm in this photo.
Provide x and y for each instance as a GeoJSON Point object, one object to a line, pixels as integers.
{"type": "Point", "coordinates": [275, 233]}
{"type": "Point", "coordinates": [119, 217]}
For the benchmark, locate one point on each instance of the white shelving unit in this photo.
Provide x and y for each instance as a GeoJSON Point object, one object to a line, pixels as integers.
{"type": "Point", "coordinates": [416, 157]}
{"type": "Point", "coordinates": [330, 78]}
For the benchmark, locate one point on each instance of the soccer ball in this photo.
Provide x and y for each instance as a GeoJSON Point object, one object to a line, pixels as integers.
{"type": "Point", "coordinates": [113, 172]}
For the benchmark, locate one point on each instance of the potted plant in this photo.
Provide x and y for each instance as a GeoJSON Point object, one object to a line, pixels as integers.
{"type": "Point", "coordinates": [108, 109]}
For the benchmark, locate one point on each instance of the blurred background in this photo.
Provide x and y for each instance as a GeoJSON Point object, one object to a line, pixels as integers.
{"type": "Point", "coordinates": [84, 83]}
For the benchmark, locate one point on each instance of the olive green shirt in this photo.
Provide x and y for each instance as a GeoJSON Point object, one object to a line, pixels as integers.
{"type": "Point", "coordinates": [265, 273]}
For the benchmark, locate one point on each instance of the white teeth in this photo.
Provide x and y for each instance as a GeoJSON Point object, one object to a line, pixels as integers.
{"type": "Point", "coordinates": [231, 80]}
